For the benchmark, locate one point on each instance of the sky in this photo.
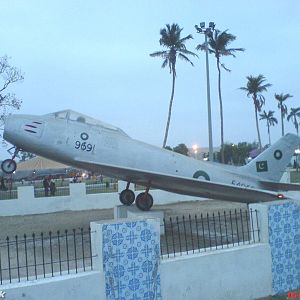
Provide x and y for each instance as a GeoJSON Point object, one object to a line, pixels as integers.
{"type": "Point", "coordinates": [93, 57]}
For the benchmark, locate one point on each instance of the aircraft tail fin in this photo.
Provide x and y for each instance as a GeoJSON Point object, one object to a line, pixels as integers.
{"type": "Point", "coordinates": [271, 163]}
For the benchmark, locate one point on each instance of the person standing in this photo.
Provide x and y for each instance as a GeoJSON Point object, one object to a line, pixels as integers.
{"type": "Point", "coordinates": [52, 188]}
{"type": "Point", "coordinates": [2, 185]}
{"type": "Point", "coordinates": [46, 186]}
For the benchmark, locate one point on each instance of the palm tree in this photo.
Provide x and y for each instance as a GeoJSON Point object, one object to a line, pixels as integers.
{"type": "Point", "coordinates": [283, 109]}
{"type": "Point", "coordinates": [171, 39]}
{"type": "Point", "coordinates": [217, 44]}
{"type": "Point", "coordinates": [255, 86]}
{"type": "Point", "coordinates": [271, 121]}
{"type": "Point", "coordinates": [294, 114]}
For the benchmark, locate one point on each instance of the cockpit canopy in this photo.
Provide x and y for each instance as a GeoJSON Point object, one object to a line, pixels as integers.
{"type": "Point", "coordinates": [71, 115]}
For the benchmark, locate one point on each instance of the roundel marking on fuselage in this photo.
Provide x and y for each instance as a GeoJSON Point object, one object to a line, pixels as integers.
{"type": "Point", "coordinates": [84, 136]}
{"type": "Point", "coordinates": [277, 154]}
{"type": "Point", "coordinates": [201, 173]}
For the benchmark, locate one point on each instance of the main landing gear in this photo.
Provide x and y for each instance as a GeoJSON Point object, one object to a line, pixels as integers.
{"type": "Point", "coordinates": [9, 166]}
{"type": "Point", "coordinates": [127, 196]}
{"type": "Point", "coordinates": [144, 201]}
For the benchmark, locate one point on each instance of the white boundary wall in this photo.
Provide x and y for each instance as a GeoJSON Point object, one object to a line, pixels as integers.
{"type": "Point", "coordinates": [242, 272]}
{"type": "Point", "coordinates": [238, 273]}
{"type": "Point", "coordinates": [27, 204]}
{"type": "Point", "coordinates": [88, 285]}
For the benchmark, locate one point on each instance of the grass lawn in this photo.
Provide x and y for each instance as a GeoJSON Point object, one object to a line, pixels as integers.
{"type": "Point", "coordinates": [295, 177]}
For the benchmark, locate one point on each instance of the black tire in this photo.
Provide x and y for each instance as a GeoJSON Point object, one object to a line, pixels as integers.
{"type": "Point", "coordinates": [144, 201]}
{"type": "Point", "coordinates": [8, 166]}
{"type": "Point", "coordinates": [127, 197]}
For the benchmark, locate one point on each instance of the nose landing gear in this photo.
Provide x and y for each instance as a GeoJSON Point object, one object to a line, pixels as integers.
{"type": "Point", "coordinates": [8, 166]}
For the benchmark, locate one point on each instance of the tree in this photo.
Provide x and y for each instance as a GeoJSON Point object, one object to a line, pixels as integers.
{"type": "Point", "coordinates": [217, 44]}
{"type": "Point", "coordinates": [26, 155]}
{"type": "Point", "coordinates": [168, 148]}
{"type": "Point", "coordinates": [283, 109]}
{"type": "Point", "coordinates": [293, 115]}
{"type": "Point", "coordinates": [255, 87]}
{"type": "Point", "coordinates": [171, 39]}
{"type": "Point", "coordinates": [271, 121]}
{"type": "Point", "coordinates": [236, 154]}
{"type": "Point", "coordinates": [182, 149]}
{"type": "Point", "coordinates": [8, 100]}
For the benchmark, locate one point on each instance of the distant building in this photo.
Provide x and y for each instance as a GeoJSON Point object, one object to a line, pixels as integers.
{"type": "Point", "coordinates": [39, 167]}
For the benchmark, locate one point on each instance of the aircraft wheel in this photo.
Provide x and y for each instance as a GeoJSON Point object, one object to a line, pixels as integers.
{"type": "Point", "coordinates": [127, 197]}
{"type": "Point", "coordinates": [8, 166]}
{"type": "Point", "coordinates": [144, 201]}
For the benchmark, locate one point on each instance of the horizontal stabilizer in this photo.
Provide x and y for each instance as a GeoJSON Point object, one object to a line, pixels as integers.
{"type": "Point", "coordinates": [278, 186]}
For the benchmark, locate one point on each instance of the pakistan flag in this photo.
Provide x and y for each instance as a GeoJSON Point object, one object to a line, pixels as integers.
{"type": "Point", "coordinates": [262, 166]}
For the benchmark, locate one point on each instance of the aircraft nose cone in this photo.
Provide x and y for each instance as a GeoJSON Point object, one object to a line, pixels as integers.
{"type": "Point", "coordinates": [7, 127]}
{"type": "Point", "coordinates": [11, 127]}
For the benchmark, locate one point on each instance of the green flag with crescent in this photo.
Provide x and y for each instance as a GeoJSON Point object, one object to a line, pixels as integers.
{"type": "Point", "coordinates": [262, 166]}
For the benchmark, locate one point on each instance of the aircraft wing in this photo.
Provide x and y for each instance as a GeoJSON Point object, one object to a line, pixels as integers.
{"type": "Point", "coordinates": [278, 186]}
{"type": "Point", "coordinates": [182, 185]}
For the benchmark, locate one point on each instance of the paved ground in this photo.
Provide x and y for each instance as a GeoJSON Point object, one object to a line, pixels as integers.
{"type": "Point", "coordinates": [11, 226]}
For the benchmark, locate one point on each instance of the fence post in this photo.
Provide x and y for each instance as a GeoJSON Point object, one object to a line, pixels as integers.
{"type": "Point", "coordinates": [259, 233]}
{"type": "Point", "coordinates": [77, 190]}
{"type": "Point", "coordinates": [96, 243]}
{"type": "Point", "coordinates": [25, 193]}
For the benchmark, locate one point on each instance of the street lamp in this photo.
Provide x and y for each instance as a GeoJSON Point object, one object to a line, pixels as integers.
{"type": "Point", "coordinates": [195, 150]}
{"type": "Point", "coordinates": [297, 151]}
{"type": "Point", "coordinates": [207, 31]}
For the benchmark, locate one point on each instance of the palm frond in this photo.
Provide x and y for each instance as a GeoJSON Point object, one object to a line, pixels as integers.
{"type": "Point", "coordinates": [185, 58]}
{"type": "Point", "coordinates": [282, 97]}
{"type": "Point", "coordinates": [184, 51]}
{"type": "Point", "coordinates": [226, 69]}
{"type": "Point", "coordinates": [200, 47]}
{"type": "Point", "coordinates": [170, 37]}
{"type": "Point", "coordinates": [231, 51]}
{"type": "Point", "coordinates": [165, 63]}
{"type": "Point", "coordinates": [188, 37]}
{"type": "Point", "coordinates": [162, 54]}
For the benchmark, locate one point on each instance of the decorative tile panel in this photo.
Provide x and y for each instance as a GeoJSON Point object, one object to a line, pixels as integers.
{"type": "Point", "coordinates": [131, 255]}
{"type": "Point", "coordinates": [284, 237]}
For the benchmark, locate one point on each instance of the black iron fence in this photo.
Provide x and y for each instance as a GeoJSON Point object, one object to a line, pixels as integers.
{"type": "Point", "coordinates": [195, 234]}
{"type": "Point", "coordinates": [63, 252]}
{"type": "Point", "coordinates": [8, 194]}
{"type": "Point", "coordinates": [45, 255]}
{"type": "Point", "coordinates": [58, 191]}
{"type": "Point", "coordinates": [106, 187]}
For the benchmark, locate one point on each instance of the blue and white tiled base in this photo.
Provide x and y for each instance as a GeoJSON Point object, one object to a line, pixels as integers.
{"type": "Point", "coordinates": [284, 238]}
{"type": "Point", "coordinates": [131, 254]}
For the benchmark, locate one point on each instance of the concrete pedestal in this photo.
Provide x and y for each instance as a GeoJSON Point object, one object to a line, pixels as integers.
{"type": "Point", "coordinates": [132, 212]}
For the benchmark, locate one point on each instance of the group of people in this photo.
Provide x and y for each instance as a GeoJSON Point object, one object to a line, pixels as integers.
{"type": "Point", "coordinates": [49, 186]}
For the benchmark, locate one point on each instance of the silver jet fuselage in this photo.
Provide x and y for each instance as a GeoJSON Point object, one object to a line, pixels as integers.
{"type": "Point", "coordinates": [73, 141]}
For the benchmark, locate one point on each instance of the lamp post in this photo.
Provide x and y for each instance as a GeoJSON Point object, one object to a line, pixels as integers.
{"type": "Point", "coordinates": [297, 151]}
{"type": "Point", "coordinates": [195, 150]}
{"type": "Point", "coordinates": [206, 31]}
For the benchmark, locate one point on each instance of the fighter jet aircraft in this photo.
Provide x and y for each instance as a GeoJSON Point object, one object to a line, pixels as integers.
{"type": "Point", "coordinates": [83, 142]}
